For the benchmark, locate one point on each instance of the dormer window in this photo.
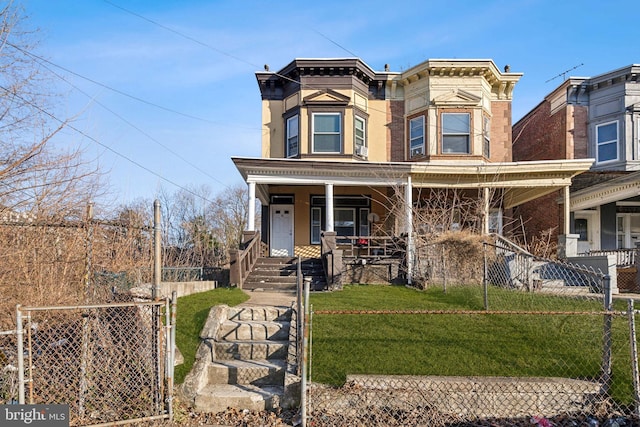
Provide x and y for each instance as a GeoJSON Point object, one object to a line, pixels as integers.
{"type": "Point", "coordinates": [456, 133]}
{"type": "Point", "coordinates": [327, 133]}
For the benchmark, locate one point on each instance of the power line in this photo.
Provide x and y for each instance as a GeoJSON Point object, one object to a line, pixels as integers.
{"type": "Point", "coordinates": [141, 166]}
{"type": "Point", "coordinates": [137, 128]}
{"type": "Point", "coordinates": [118, 91]}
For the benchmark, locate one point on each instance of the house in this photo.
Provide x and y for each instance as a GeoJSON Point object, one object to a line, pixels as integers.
{"type": "Point", "coordinates": [588, 117]}
{"type": "Point", "coordinates": [351, 155]}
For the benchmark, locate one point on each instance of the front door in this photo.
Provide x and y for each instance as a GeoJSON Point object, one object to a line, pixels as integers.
{"type": "Point", "coordinates": [281, 230]}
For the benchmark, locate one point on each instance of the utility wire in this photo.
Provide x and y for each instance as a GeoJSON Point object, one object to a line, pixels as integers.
{"type": "Point", "coordinates": [120, 92]}
{"type": "Point", "coordinates": [141, 166]}
{"type": "Point", "coordinates": [178, 155]}
{"type": "Point", "coordinates": [221, 52]}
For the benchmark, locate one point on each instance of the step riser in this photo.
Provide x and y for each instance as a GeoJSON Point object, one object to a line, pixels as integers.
{"type": "Point", "coordinates": [250, 351]}
{"type": "Point", "coordinates": [259, 314]}
{"type": "Point", "coordinates": [215, 404]}
{"type": "Point", "coordinates": [231, 330]}
{"type": "Point", "coordinates": [257, 376]}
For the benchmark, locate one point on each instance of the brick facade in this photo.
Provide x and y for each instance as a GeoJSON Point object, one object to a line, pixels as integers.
{"type": "Point", "coordinates": [541, 135]}
{"type": "Point", "coordinates": [395, 130]}
{"type": "Point", "coordinates": [501, 131]}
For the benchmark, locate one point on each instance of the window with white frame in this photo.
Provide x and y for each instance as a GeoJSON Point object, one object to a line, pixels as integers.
{"type": "Point", "coordinates": [607, 142]}
{"type": "Point", "coordinates": [316, 225]}
{"type": "Point", "coordinates": [327, 132]}
{"type": "Point", "coordinates": [292, 149]}
{"type": "Point", "coordinates": [416, 136]}
{"type": "Point", "coordinates": [360, 136]}
{"type": "Point", "coordinates": [456, 129]}
{"type": "Point", "coordinates": [486, 133]}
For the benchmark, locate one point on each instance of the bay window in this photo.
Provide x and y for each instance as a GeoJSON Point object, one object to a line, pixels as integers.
{"type": "Point", "coordinates": [327, 132]}
{"type": "Point", "coordinates": [456, 133]}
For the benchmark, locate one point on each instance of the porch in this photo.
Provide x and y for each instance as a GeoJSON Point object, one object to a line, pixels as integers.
{"type": "Point", "coordinates": [305, 201]}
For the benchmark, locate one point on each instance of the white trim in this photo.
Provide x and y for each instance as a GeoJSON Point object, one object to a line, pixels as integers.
{"type": "Point", "coordinates": [277, 251]}
{"type": "Point", "coordinates": [252, 207]}
{"type": "Point", "coordinates": [328, 189]}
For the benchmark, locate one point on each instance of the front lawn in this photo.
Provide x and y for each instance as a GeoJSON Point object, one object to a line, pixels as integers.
{"type": "Point", "coordinates": [469, 344]}
{"type": "Point", "coordinates": [190, 318]}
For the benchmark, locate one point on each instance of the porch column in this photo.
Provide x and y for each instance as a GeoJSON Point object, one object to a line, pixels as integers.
{"type": "Point", "coordinates": [567, 212]}
{"type": "Point", "coordinates": [251, 226]}
{"type": "Point", "coordinates": [485, 211]}
{"type": "Point", "coordinates": [408, 196]}
{"type": "Point", "coordinates": [328, 190]}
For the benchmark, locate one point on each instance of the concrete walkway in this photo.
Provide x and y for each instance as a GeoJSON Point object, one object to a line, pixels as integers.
{"type": "Point", "coordinates": [267, 297]}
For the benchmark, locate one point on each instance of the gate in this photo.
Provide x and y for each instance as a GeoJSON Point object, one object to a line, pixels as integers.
{"type": "Point", "coordinates": [108, 362]}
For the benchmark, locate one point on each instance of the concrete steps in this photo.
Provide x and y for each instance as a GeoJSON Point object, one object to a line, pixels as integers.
{"type": "Point", "coordinates": [219, 397]}
{"type": "Point", "coordinates": [243, 360]}
{"type": "Point", "coordinates": [279, 273]}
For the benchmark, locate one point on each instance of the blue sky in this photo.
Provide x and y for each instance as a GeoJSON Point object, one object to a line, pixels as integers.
{"type": "Point", "coordinates": [192, 69]}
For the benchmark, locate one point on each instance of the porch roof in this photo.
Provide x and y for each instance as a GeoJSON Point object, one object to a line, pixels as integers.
{"type": "Point", "coordinates": [613, 190]}
{"type": "Point", "coordinates": [521, 181]}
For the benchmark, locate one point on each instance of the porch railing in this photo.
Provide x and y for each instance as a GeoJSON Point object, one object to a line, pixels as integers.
{"type": "Point", "coordinates": [370, 246]}
{"type": "Point", "coordinates": [331, 257]}
{"type": "Point", "coordinates": [624, 257]}
{"type": "Point", "coordinates": [243, 260]}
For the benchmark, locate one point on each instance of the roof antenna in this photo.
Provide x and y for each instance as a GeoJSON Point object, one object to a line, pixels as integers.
{"type": "Point", "coordinates": [564, 73]}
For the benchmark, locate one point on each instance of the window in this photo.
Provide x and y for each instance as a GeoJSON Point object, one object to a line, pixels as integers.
{"type": "Point", "coordinates": [581, 228]}
{"type": "Point", "coordinates": [316, 225]}
{"type": "Point", "coordinates": [344, 221]}
{"type": "Point", "coordinates": [607, 142]}
{"type": "Point", "coordinates": [364, 222]}
{"type": "Point", "coordinates": [292, 137]}
{"type": "Point", "coordinates": [455, 133]}
{"type": "Point", "coordinates": [327, 133]}
{"type": "Point", "coordinates": [359, 137]}
{"type": "Point", "coordinates": [416, 136]}
{"type": "Point", "coordinates": [486, 132]}
{"type": "Point", "coordinates": [350, 216]}
{"type": "Point", "coordinates": [495, 221]}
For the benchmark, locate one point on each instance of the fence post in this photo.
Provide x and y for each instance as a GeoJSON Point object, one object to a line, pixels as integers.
{"type": "Point", "coordinates": [20, 348]}
{"type": "Point", "coordinates": [485, 281]}
{"type": "Point", "coordinates": [606, 353]}
{"type": "Point", "coordinates": [634, 356]}
{"type": "Point", "coordinates": [305, 341]}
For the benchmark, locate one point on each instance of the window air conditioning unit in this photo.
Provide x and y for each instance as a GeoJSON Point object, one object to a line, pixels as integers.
{"type": "Point", "coordinates": [417, 151]}
{"type": "Point", "coordinates": [362, 151]}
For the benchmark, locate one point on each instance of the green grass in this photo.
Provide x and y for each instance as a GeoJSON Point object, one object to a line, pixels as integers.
{"type": "Point", "coordinates": [190, 318]}
{"type": "Point", "coordinates": [547, 345]}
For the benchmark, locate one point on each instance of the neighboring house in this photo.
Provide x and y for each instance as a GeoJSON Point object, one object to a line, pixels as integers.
{"type": "Point", "coordinates": [353, 152]}
{"type": "Point", "coordinates": [588, 117]}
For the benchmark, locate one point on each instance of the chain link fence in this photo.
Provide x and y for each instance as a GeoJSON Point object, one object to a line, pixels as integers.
{"type": "Point", "coordinates": [109, 363]}
{"type": "Point", "coordinates": [539, 342]}
{"type": "Point", "coordinates": [9, 368]}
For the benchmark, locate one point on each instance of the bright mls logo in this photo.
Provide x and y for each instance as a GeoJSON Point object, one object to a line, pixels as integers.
{"type": "Point", "coordinates": [34, 415]}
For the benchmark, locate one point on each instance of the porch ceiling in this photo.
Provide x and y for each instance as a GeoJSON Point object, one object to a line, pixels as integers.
{"type": "Point", "coordinates": [521, 181]}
